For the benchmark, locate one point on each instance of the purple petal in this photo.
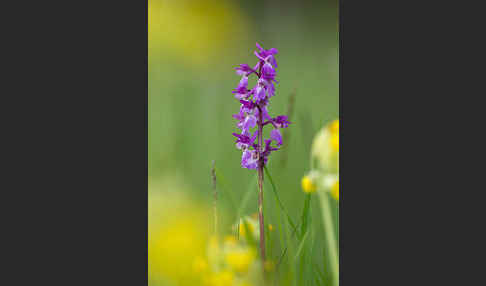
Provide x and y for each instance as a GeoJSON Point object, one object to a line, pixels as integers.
{"type": "Point", "coordinates": [259, 93]}
{"type": "Point", "coordinates": [271, 89]}
{"type": "Point", "coordinates": [273, 61]}
{"type": "Point", "coordinates": [259, 56]}
{"type": "Point", "coordinates": [259, 47]}
{"type": "Point", "coordinates": [239, 116]}
{"type": "Point", "coordinates": [250, 122]}
{"type": "Point", "coordinates": [249, 159]}
{"type": "Point", "coordinates": [243, 82]}
{"type": "Point", "coordinates": [268, 73]}
{"type": "Point", "coordinates": [281, 121]}
{"type": "Point", "coordinates": [247, 105]}
{"type": "Point", "coordinates": [276, 136]}
{"type": "Point", "coordinates": [244, 69]}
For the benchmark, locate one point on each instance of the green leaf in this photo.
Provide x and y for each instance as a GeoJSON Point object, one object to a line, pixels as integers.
{"type": "Point", "coordinates": [301, 245]}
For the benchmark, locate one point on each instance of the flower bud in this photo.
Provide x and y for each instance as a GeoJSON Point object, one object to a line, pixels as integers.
{"type": "Point", "coordinates": [308, 185]}
{"type": "Point", "coordinates": [325, 148]}
{"type": "Point", "coordinates": [335, 190]}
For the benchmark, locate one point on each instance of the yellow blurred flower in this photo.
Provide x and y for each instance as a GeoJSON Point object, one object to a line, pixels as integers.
{"type": "Point", "coordinates": [240, 259]}
{"type": "Point", "coordinates": [213, 250]}
{"type": "Point", "coordinates": [213, 242]}
{"type": "Point", "coordinates": [334, 126]}
{"type": "Point", "coordinates": [223, 278]}
{"type": "Point", "coordinates": [335, 191]}
{"type": "Point", "coordinates": [199, 265]}
{"type": "Point", "coordinates": [335, 142]}
{"type": "Point", "coordinates": [173, 248]}
{"type": "Point", "coordinates": [174, 242]}
{"type": "Point", "coordinates": [194, 31]}
{"type": "Point", "coordinates": [230, 240]}
{"type": "Point", "coordinates": [270, 227]}
{"type": "Point", "coordinates": [308, 185]}
{"type": "Point", "coordinates": [244, 226]}
{"type": "Point", "coordinates": [325, 148]}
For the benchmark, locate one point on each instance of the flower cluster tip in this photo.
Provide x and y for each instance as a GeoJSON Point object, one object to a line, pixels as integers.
{"type": "Point", "coordinates": [254, 110]}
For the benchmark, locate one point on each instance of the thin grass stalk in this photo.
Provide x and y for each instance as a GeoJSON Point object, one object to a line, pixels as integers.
{"type": "Point", "coordinates": [215, 199]}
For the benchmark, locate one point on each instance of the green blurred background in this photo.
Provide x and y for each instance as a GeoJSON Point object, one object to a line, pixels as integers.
{"type": "Point", "coordinates": [193, 49]}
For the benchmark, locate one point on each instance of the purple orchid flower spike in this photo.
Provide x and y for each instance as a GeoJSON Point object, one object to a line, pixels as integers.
{"type": "Point", "coordinates": [254, 113]}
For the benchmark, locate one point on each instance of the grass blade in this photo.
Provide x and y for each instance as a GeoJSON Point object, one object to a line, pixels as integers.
{"type": "Point", "coordinates": [301, 246]}
{"type": "Point", "coordinates": [319, 273]}
{"type": "Point", "coordinates": [222, 185]}
{"type": "Point", "coordinates": [291, 223]}
{"type": "Point", "coordinates": [246, 198]}
{"type": "Point", "coordinates": [249, 235]}
{"type": "Point", "coordinates": [305, 213]}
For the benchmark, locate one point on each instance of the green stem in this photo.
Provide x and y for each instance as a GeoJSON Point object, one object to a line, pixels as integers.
{"type": "Point", "coordinates": [330, 237]}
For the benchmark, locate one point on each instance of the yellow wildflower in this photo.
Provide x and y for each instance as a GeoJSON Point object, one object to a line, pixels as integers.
{"type": "Point", "coordinates": [325, 149]}
{"type": "Point", "coordinates": [199, 265]}
{"type": "Point", "coordinates": [335, 191]}
{"type": "Point", "coordinates": [167, 240]}
{"type": "Point", "coordinates": [223, 278]}
{"type": "Point", "coordinates": [335, 142]}
{"type": "Point", "coordinates": [308, 185]}
{"type": "Point", "coordinates": [334, 129]}
{"type": "Point", "coordinates": [247, 228]}
{"type": "Point", "coordinates": [270, 227]}
{"type": "Point", "coordinates": [230, 240]}
{"type": "Point", "coordinates": [240, 259]}
{"type": "Point", "coordinates": [243, 227]}
{"type": "Point", "coordinates": [334, 126]}
{"type": "Point", "coordinates": [213, 242]}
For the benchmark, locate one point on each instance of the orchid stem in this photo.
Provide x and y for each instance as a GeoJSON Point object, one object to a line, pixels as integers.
{"type": "Point", "coordinates": [260, 186]}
